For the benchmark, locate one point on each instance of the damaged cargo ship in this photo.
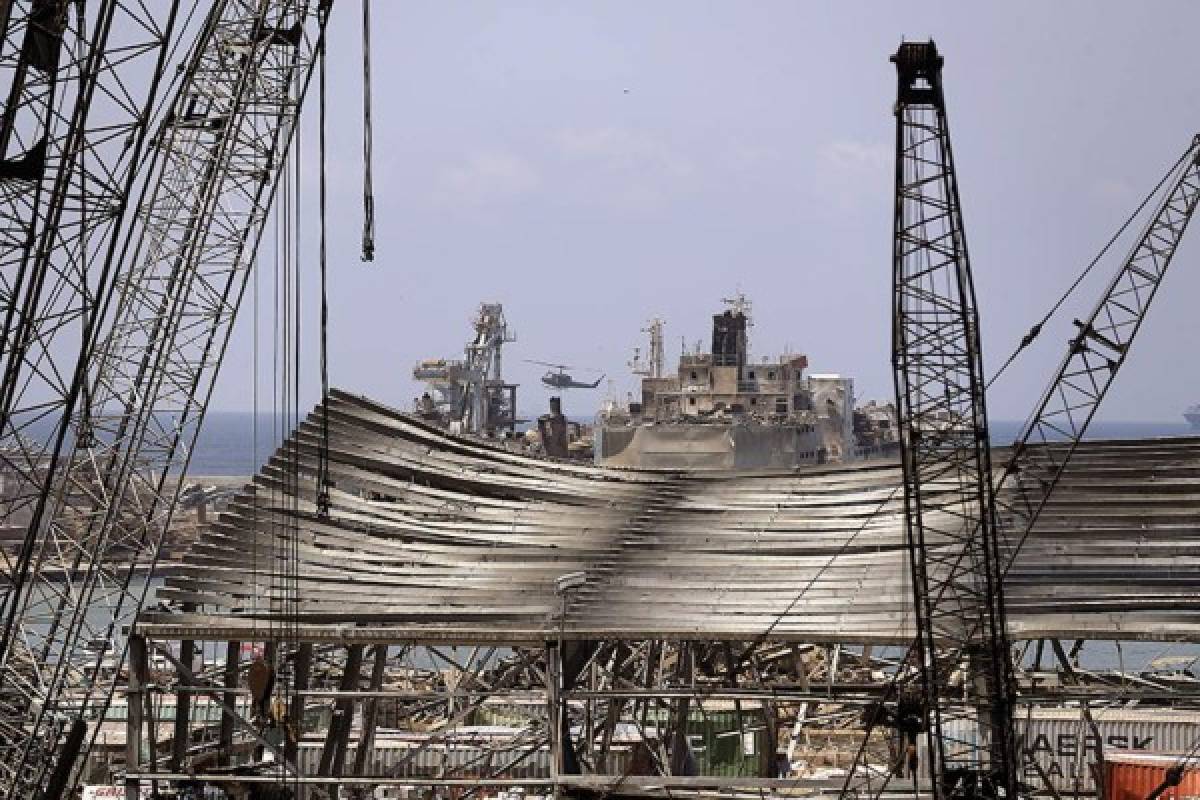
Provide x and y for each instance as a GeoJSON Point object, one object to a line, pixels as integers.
{"type": "Point", "coordinates": [722, 410]}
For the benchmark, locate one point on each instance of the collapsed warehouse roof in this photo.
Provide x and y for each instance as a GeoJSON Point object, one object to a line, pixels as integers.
{"type": "Point", "coordinates": [435, 538]}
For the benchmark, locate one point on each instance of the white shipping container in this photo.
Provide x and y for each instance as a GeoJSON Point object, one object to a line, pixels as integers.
{"type": "Point", "coordinates": [403, 756]}
{"type": "Point", "coordinates": [1062, 743]}
{"type": "Point", "coordinates": [407, 759]}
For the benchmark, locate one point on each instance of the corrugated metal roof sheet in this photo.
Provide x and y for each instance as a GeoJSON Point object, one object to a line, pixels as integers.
{"type": "Point", "coordinates": [431, 535]}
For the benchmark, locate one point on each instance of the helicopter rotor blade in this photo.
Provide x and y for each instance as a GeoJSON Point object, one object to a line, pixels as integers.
{"type": "Point", "coordinates": [559, 367]}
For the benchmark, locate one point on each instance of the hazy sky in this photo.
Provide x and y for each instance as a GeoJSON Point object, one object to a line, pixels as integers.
{"type": "Point", "coordinates": [591, 165]}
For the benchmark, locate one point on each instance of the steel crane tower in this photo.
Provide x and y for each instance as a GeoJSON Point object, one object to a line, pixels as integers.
{"type": "Point", "coordinates": [81, 85]}
{"type": "Point", "coordinates": [485, 364]}
{"type": "Point", "coordinates": [78, 107]}
{"type": "Point", "coordinates": [1060, 420]}
{"type": "Point", "coordinates": [949, 497]}
{"type": "Point", "coordinates": [154, 347]}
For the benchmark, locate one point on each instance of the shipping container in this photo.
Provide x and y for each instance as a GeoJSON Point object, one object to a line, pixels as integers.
{"type": "Point", "coordinates": [1063, 745]}
{"type": "Point", "coordinates": [1133, 776]}
{"type": "Point", "coordinates": [466, 755]}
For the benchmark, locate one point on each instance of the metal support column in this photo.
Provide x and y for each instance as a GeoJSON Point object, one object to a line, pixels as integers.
{"type": "Point", "coordinates": [370, 712]}
{"type": "Point", "coordinates": [225, 742]}
{"type": "Point", "coordinates": [138, 676]}
{"type": "Point", "coordinates": [183, 717]}
{"type": "Point", "coordinates": [334, 753]}
{"type": "Point", "coordinates": [303, 668]}
{"type": "Point", "coordinates": [554, 718]}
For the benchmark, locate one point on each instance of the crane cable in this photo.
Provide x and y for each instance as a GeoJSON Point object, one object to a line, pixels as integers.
{"type": "Point", "coordinates": [323, 451]}
{"type": "Point", "coordinates": [368, 232]}
{"type": "Point", "coordinates": [1036, 330]}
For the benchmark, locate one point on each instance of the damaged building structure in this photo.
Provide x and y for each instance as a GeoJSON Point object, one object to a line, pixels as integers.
{"type": "Point", "coordinates": [466, 619]}
{"type": "Point", "coordinates": [724, 410]}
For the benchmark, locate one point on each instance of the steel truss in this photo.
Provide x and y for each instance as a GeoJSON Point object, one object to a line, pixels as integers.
{"type": "Point", "coordinates": [54, 279]}
{"type": "Point", "coordinates": [36, 37]}
{"type": "Point", "coordinates": [613, 716]}
{"type": "Point", "coordinates": [949, 496]}
{"type": "Point", "coordinates": [84, 81]}
{"type": "Point", "coordinates": [617, 717]}
{"type": "Point", "coordinates": [173, 301]}
{"type": "Point", "coordinates": [1094, 357]}
{"type": "Point", "coordinates": [607, 667]}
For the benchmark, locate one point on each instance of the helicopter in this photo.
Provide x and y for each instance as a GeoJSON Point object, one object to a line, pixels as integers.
{"type": "Point", "coordinates": [558, 378]}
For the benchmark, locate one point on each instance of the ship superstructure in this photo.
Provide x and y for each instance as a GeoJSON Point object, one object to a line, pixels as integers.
{"type": "Point", "coordinates": [721, 409]}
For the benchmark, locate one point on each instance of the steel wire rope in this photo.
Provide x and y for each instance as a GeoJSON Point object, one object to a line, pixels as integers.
{"type": "Point", "coordinates": [276, 272]}
{"type": "Point", "coordinates": [285, 644]}
{"type": "Point", "coordinates": [285, 380]}
{"type": "Point", "coordinates": [280, 255]}
{"type": "Point", "coordinates": [323, 450]}
{"type": "Point", "coordinates": [255, 345]}
{"type": "Point", "coordinates": [1036, 329]}
{"type": "Point", "coordinates": [281, 335]}
{"type": "Point", "coordinates": [368, 231]}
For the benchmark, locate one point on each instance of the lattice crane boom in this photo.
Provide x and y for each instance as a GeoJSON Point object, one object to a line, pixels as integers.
{"type": "Point", "coordinates": [82, 81]}
{"type": "Point", "coordinates": [168, 314]}
{"type": "Point", "coordinates": [90, 167]}
{"type": "Point", "coordinates": [946, 456]}
{"type": "Point", "coordinates": [1093, 358]}
{"type": "Point", "coordinates": [1048, 440]}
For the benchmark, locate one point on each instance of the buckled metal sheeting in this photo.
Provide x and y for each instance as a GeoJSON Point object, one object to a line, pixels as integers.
{"type": "Point", "coordinates": [436, 538]}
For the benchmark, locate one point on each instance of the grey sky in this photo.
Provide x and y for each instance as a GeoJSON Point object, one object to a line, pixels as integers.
{"type": "Point", "coordinates": [754, 149]}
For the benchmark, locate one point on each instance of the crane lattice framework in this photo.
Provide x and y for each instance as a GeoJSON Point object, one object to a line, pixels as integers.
{"type": "Point", "coordinates": [1059, 421]}
{"type": "Point", "coordinates": [1094, 357]}
{"type": "Point", "coordinates": [82, 82]}
{"type": "Point", "coordinates": [78, 108]}
{"type": "Point", "coordinates": [157, 338]}
{"type": "Point", "coordinates": [949, 497]}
